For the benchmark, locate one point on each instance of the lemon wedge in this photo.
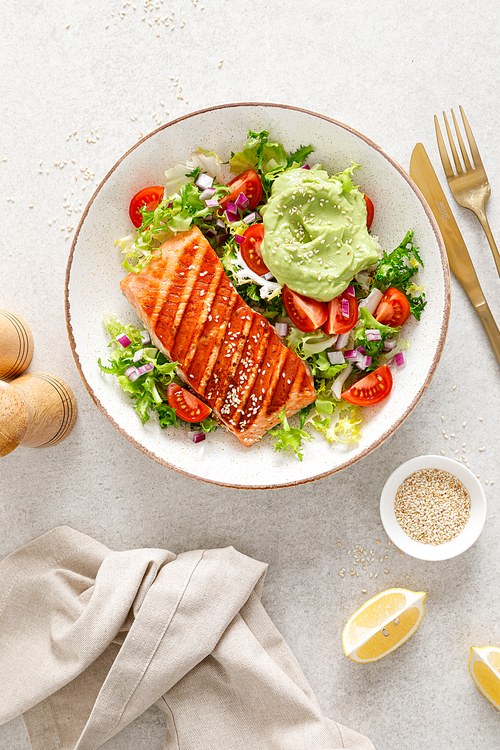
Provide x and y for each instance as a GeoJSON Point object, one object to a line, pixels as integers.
{"type": "Point", "coordinates": [484, 668]}
{"type": "Point", "coordinates": [382, 624]}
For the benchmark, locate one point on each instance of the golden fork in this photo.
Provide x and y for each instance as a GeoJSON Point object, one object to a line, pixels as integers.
{"type": "Point", "coordinates": [470, 186]}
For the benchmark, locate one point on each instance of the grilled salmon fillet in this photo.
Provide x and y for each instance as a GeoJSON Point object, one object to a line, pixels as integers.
{"type": "Point", "coordinates": [228, 354]}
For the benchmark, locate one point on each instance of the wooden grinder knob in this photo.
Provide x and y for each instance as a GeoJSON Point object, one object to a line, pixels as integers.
{"type": "Point", "coordinates": [16, 345]}
{"type": "Point", "coordinates": [37, 410]}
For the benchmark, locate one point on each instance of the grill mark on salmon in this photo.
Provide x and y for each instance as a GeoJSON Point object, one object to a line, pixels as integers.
{"type": "Point", "coordinates": [148, 290]}
{"type": "Point", "coordinates": [182, 266]}
{"type": "Point", "coordinates": [229, 354]}
{"type": "Point", "coordinates": [193, 320]}
{"type": "Point", "coordinates": [285, 383]}
{"type": "Point", "coordinates": [265, 383]}
{"type": "Point", "coordinates": [247, 371]}
{"type": "Point", "coordinates": [211, 337]}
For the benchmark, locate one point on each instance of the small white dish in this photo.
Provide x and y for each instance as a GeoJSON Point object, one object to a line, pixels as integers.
{"type": "Point", "coordinates": [462, 541]}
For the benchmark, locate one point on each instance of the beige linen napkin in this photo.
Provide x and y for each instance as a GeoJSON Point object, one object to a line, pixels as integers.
{"type": "Point", "coordinates": [91, 638]}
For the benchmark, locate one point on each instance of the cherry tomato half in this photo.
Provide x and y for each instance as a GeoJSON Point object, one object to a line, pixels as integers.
{"type": "Point", "coordinates": [305, 313]}
{"type": "Point", "coordinates": [371, 389]}
{"type": "Point", "coordinates": [248, 183]}
{"type": "Point", "coordinates": [393, 309]}
{"type": "Point", "coordinates": [250, 249]}
{"type": "Point", "coordinates": [149, 197]}
{"type": "Point", "coordinates": [186, 406]}
{"type": "Point", "coordinates": [336, 322]}
{"type": "Point", "coordinates": [369, 211]}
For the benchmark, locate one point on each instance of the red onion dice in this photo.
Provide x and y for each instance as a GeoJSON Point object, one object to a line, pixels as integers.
{"type": "Point", "coordinates": [206, 194]}
{"type": "Point", "coordinates": [197, 437]}
{"type": "Point", "coordinates": [143, 369]}
{"type": "Point", "coordinates": [335, 358]}
{"type": "Point", "coordinates": [373, 334]}
{"type": "Point", "coordinates": [204, 181]}
{"type": "Point", "coordinates": [221, 238]}
{"type": "Point", "coordinates": [389, 344]}
{"type": "Point", "coordinates": [242, 201]}
{"type": "Point", "coordinates": [123, 339]}
{"type": "Point", "coordinates": [364, 362]}
{"type": "Point", "coordinates": [249, 218]}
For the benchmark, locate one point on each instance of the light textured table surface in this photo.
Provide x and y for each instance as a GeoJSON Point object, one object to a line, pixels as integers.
{"type": "Point", "coordinates": [109, 71]}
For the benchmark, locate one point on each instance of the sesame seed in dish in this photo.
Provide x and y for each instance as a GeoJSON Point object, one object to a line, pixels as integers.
{"type": "Point", "coordinates": [432, 506]}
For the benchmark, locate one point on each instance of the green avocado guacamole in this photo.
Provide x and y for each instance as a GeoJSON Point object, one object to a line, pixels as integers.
{"type": "Point", "coordinates": [315, 235]}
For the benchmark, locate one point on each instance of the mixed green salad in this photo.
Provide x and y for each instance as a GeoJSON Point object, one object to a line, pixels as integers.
{"type": "Point", "coordinates": [295, 242]}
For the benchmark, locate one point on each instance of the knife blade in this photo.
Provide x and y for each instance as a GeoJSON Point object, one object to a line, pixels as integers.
{"type": "Point", "coordinates": [423, 174]}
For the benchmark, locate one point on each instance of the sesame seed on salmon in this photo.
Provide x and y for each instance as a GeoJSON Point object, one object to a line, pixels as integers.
{"type": "Point", "coordinates": [228, 354]}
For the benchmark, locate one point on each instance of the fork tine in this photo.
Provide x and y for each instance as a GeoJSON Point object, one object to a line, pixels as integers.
{"type": "Point", "coordinates": [472, 141]}
{"type": "Point", "coordinates": [465, 156]}
{"type": "Point", "coordinates": [448, 170]}
{"type": "Point", "coordinates": [458, 166]}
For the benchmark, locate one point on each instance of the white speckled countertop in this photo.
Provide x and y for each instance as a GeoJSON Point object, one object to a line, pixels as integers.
{"type": "Point", "coordinates": [81, 83]}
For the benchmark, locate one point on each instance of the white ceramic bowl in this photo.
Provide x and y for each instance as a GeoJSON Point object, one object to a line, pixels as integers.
{"type": "Point", "coordinates": [462, 541]}
{"type": "Point", "coordinates": [94, 271]}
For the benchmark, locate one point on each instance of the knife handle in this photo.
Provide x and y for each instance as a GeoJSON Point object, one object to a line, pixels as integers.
{"type": "Point", "coordinates": [490, 327]}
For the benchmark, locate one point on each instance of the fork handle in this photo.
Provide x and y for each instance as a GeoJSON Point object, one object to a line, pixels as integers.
{"type": "Point", "coordinates": [490, 326]}
{"type": "Point", "coordinates": [481, 215]}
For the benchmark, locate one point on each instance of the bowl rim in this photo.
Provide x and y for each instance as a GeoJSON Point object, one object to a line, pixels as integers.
{"type": "Point", "coordinates": [442, 333]}
{"type": "Point", "coordinates": [457, 545]}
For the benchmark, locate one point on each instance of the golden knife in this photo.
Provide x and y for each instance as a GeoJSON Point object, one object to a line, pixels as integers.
{"type": "Point", "coordinates": [422, 173]}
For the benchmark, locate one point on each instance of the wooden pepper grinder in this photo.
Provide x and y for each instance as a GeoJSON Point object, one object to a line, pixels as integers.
{"type": "Point", "coordinates": [16, 345]}
{"type": "Point", "coordinates": [37, 409]}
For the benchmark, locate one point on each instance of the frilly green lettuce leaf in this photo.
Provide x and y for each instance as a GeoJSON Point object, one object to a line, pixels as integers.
{"type": "Point", "coordinates": [288, 437]}
{"type": "Point", "coordinates": [259, 153]}
{"type": "Point", "coordinates": [148, 392]}
{"type": "Point", "coordinates": [178, 175]}
{"type": "Point", "coordinates": [342, 426]}
{"type": "Point", "coordinates": [306, 345]}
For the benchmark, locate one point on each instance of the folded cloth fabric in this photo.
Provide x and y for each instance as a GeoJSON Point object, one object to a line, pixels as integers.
{"type": "Point", "coordinates": [91, 638]}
